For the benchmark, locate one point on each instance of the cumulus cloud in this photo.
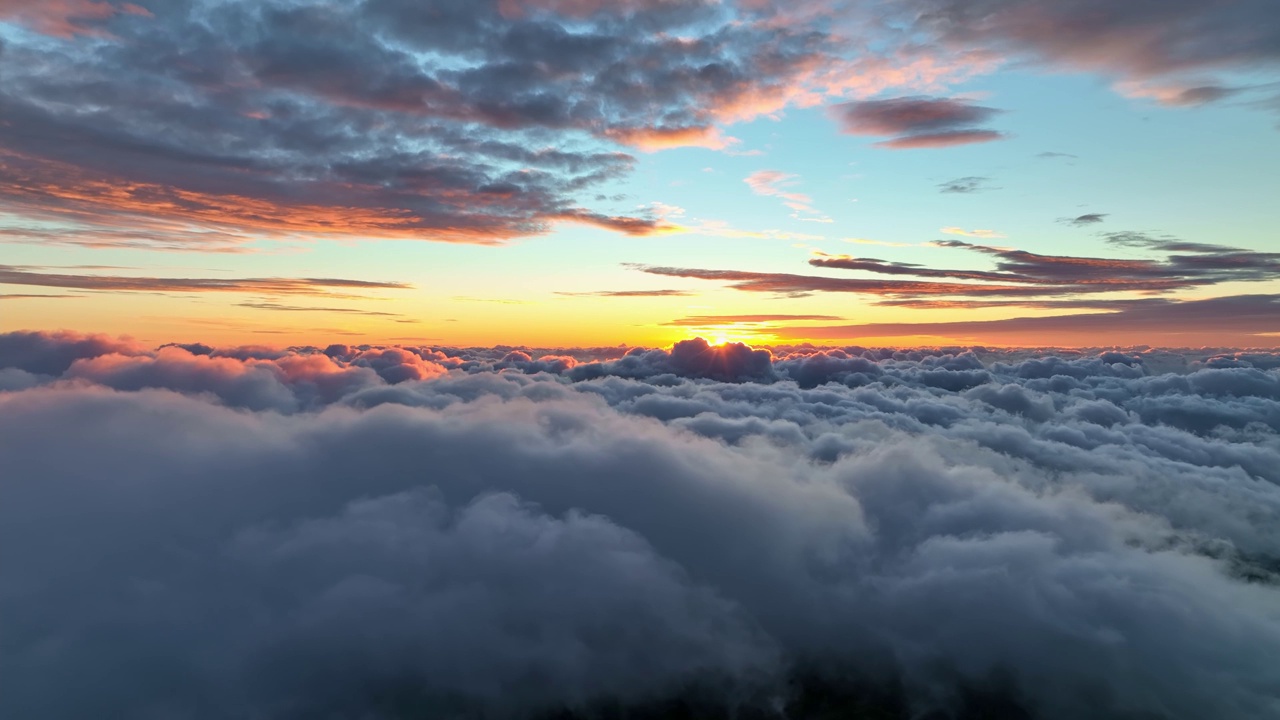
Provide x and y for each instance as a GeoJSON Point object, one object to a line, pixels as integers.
{"type": "Point", "coordinates": [52, 353]}
{"type": "Point", "coordinates": [184, 125]}
{"type": "Point", "coordinates": [902, 531]}
{"type": "Point", "coordinates": [918, 122]}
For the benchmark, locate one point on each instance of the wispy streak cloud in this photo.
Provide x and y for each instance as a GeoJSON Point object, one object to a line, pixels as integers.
{"type": "Point", "coordinates": [713, 320]}
{"type": "Point", "coordinates": [331, 287]}
{"type": "Point", "coordinates": [773, 183]}
{"type": "Point", "coordinates": [1241, 320]}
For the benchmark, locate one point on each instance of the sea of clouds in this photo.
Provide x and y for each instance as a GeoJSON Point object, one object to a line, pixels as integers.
{"type": "Point", "coordinates": [430, 532]}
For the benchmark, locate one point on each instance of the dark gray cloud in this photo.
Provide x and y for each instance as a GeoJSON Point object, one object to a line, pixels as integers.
{"type": "Point", "coordinates": [1200, 95]}
{"type": "Point", "coordinates": [796, 285]}
{"type": "Point", "coordinates": [1165, 50]}
{"type": "Point", "coordinates": [965, 185]}
{"type": "Point", "coordinates": [1032, 280]}
{"type": "Point", "coordinates": [911, 115]}
{"type": "Point", "coordinates": [1083, 220]}
{"type": "Point", "coordinates": [184, 125]}
{"type": "Point", "coordinates": [1185, 263]}
{"type": "Point", "coordinates": [486, 541]}
{"type": "Point", "coordinates": [53, 352]}
{"type": "Point", "coordinates": [197, 126]}
{"type": "Point", "coordinates": [1041, 280]}
{"type": "Point", "coordinates": [918, 122]}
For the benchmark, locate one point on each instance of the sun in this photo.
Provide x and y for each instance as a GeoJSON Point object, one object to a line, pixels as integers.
{"type": "Point", "coordinates": [725, 335]}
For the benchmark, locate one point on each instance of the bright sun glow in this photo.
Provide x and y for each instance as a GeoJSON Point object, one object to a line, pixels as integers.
{"type": "Point", "coordinates": [723, 335]}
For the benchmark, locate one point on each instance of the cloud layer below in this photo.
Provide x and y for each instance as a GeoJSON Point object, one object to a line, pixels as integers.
{"type": "Point", "coordinates": [393, 532]}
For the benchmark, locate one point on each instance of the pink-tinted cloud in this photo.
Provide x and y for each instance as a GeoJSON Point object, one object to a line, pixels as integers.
{"type": "Point", "coordinates": [941, 140]}
{"type": "Point", "coordinates": [657, 138]}
{"type": "Point", "coordinates": [773, 183]}
{"type": "Point", "coordinates": [66, 18]}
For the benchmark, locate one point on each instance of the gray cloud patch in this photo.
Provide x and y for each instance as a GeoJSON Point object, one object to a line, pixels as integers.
{"type": "Point", "coordinates": [966, 185]}
{"type": "Point", "coordinates": [918, 122]}
{"type": "Point", "coordinates": [191, 125]}
{"type": "Point", "coordinates": [1083, 220]}
{"type": "Point", "coordinates": [1183, 42]}
{"type": "Point", "coordinates": [429, 531]}
{"type": "Point", "coordinates": [1036, 279]}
